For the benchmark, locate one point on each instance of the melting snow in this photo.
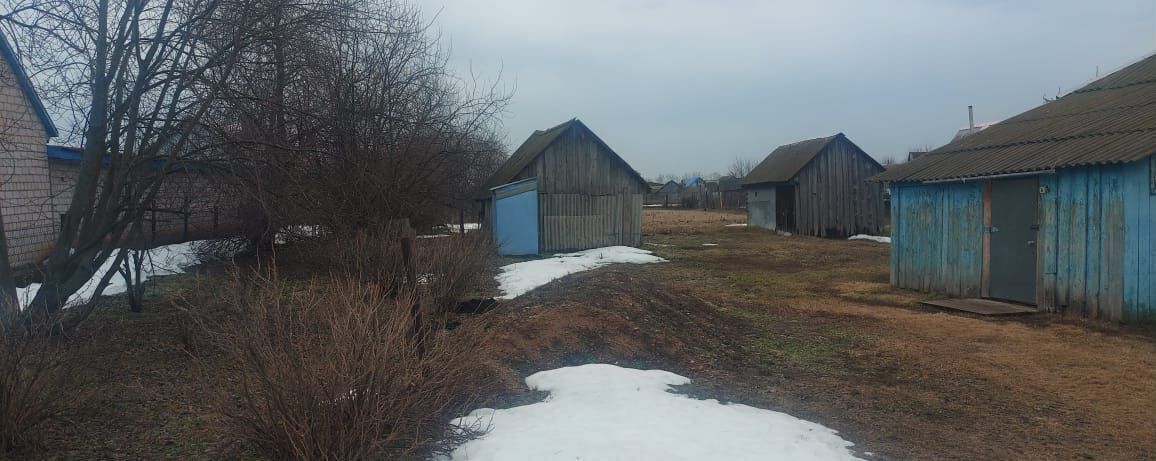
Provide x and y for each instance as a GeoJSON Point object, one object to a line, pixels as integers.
{"type": "Point", "coordinates": [518, 278]}
{"type": "Point", "coordinates": [470, 226]}
{"type": "Point", "coordinates": [165, 260]}
{"type": "Point", "coordinates": [873, 238]}
{"type": "Point", "coordinates": [710, 244]}
{"type": "Point", "coordinates": [737, 225]}
{"type": "Point", "coordinates": [604, 412]}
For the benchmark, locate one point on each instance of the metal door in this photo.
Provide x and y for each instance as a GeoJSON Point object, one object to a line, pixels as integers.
{"type": "Point", "coordinates": [1014, 210]}
{"type": "Point", "coordinates": [516, 217]}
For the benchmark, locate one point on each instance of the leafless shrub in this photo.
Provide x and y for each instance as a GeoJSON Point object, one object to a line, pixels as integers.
{"type": "Point", "coordinates": [351, 362]}
{"type": "Point", "coordinates": [332, 369]}
{"type": "Point", "coordinates": [220, 250]}
{"type": "Point", "coordinates": [40, 381]}
{"type": "Point", "coordinates": [452, 267]}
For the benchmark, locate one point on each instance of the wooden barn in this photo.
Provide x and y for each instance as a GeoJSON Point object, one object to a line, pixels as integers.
{"type": "Point", "coordinates": [816, 187]}
{"type": "Point", "coordinates": [564, 189]}
{"type": "Point", "coordinates": [1053, 207]}
{"type": "Point", "coordinates": [667, 194]}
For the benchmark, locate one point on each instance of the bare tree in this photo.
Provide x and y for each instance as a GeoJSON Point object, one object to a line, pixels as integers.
{"type": "Point", "coordinates": [741, 167]}
{"type": "Point", "coordinates": [359, 126]}
{"type": "Point", "coordinates": [136, 77]}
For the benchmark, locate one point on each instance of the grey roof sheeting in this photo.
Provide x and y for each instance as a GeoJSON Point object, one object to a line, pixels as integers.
{"type": "Point", "coordinates": [786, 161]}
{"type": "Point", "coordinates": [1111, 120]}
{"type": "Point", "coordinates": [536, 144]}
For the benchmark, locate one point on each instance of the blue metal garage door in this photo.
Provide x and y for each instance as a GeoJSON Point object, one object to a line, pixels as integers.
{"type": "Point", "coordinates": [516, 217]}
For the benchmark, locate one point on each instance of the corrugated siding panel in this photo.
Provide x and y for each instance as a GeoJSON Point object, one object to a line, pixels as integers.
{"type": "Point", "coordinates": [578, 222]}
{"type": "Point", "coordinates": [937, 238]}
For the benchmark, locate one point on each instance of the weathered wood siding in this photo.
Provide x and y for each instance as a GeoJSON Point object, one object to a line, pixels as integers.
{"type": "Point", "coordinates": [588, 198]}
{"type": "Point", "coordinates": [833, 197]}
{"type": "Point", "coordinates": [1096, 257]}
{"type": "Point", "coordinates": [761, 207]}
{"type": "Point", "coordinates": [937, 238]}
{"type": "Point", "coordinates": [1095, 251]}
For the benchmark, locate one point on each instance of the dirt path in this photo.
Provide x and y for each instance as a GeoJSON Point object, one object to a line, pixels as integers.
{"type": "Point", "coordinates": [811, 327]}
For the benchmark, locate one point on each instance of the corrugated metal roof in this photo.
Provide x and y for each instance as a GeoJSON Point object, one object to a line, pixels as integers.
{"type": "Point", "coordinates": [786, 161]}
{"type": "Point", "coordinates": [1111, 120]}
{"type": "Point", "coordinates": [535, 145]}
{"type": "Point", "coordinates": [729, 182]}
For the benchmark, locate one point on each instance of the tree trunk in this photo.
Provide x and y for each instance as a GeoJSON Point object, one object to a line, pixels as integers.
{"type": "Point", "coordinates": [9, 304]}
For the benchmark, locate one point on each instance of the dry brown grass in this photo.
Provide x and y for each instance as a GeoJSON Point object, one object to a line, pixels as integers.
{"type": "Point", "coordinates": [811, 327]}
{"type": "Point", "coordinates": [42, 380]}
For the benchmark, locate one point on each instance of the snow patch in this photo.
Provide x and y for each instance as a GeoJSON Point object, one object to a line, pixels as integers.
{"type": "Point", "coordinates": [710, 244]}
{"type": "Point", "coordinates": [743, 224]}
{"type": "Point", "coordinates": [163, 260]}
{"type": "Point", "coordinates": [604, 412]}
{"type": "Point", "coordinates": [518, 278]}
{"type": "Point", "coordinates": [873, 238]}
{"type": "Point", "coordinates": [470, 226]}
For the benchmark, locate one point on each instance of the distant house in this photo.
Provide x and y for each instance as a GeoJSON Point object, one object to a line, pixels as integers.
{"type": "Point", "coordinates": [668, 194]}
{"type": "Point", "coordinates": [564, 189]}
{"type": "Point", "coordinates": [731, 195]}
{"type": "Point", "coordinates": [965, 132]}
{"type": "Point", "coordinates": [25, 128]}
{"type": "Point", "coordinates": [816, 187]}
{"type": "Point", "coordinates": [1055, 207]}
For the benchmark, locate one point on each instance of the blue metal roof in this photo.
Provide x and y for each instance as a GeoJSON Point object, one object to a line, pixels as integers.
{"type": "Point", "coordinates": [26, 85]}
{"type": "Point", "coordinates": [74, 154]}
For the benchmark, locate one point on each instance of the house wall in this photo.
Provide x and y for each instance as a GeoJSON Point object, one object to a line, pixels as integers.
{"type": "Point", "coordinates": [1096, 257]}
{"type": "Point", "coordinates": [24, 189]}
{"type": "Point", "coordinates": [1095, 251]}
{"type": "Point", "coordinates": [189, 206]}
{"type": "Point", "coordinates": [937, 238]}
{"type": "Point", "coordinates": [833, 197]}
{"type": "Point", "coordinates": [761, 206]}
{"type": "Point", "coordinates": [587, 198]}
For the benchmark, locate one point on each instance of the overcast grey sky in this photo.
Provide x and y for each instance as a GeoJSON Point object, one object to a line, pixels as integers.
{"type": "Point", "coordinates": [680, 86]}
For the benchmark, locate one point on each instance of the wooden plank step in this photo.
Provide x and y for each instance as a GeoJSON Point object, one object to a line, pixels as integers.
{"type": "Point", "coordinates": [982, 306]}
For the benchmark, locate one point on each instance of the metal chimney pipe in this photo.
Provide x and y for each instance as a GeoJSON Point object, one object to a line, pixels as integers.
{"type": "Point", "coordinates": [970, 118]}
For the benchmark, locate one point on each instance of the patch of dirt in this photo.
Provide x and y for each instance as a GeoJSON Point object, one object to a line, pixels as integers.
{"type": "Point", "coordinates": [810, 326]}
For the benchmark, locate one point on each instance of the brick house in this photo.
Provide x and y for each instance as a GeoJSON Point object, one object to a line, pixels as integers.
{"type": "Point", "coordinates": [25, 193]}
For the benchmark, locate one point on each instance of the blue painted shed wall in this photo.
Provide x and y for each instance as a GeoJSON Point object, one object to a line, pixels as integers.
{"type": "Point", "coordinates": [1139, 250]}
{"type": "Point", "coordinates": [937, 237]}
{"type": "Point", "coordinates": [1095, 250]}
{"type": "Point", "coordinates": [516, 223]}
